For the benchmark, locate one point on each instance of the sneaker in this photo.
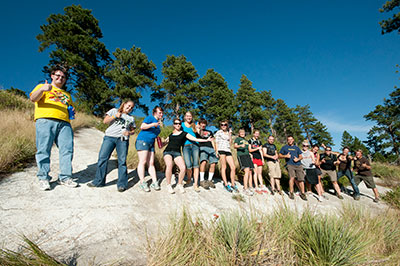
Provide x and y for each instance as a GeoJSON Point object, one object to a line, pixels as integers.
{"type": "Point", "coordinates": [248, 192]}
{"type": "Point", "coordinates": [155, 186]}
{"type": "Point", "coordinates": [339, 196]}
{"type": "Point", "coordinates": [170, 189]}
{"type": "Point", "coordinates": [180, 188]}
{"type": "Point", "coordinates": [144, 187]}
{"type": "Point", "coordinates": [68, 182]}
{"type": "Point", "coordinates": [258, 191]}
{"type": "Point", "coordinates": [291, 195]}
{"type": "Point", "coordinates": [204, 184]}
{"type": "Point", "coordinates": [264, 190]}
{"type": "Point", "coordinates": [325, 196]}
{"type": "Point", "coordinates": [273, 192]}
{"type": "Point", "coordinates": [228, 188]}
{"type": "Point", "coordinates": [303, 196]}
{"type": "Point", "coordinates": [235, 189]}
{"type": "Point", "coordinates": [376, 200]}
{"type": "Point", "coordinates": [211, 184]}
{"type": "Point", "coordinates": [196, 188]}
{"type": "Point", "coordinates": [90, 184]}
{"type": "Point", "coordinates": [44, 184]}
{"type": "Point", "coordinates": [280, 192]}
{"type": "Point", "coordinates": [320, 198]}
{"type": "Point", "coordinates": [357, 197]}
{"type": "Point", "coordinates": [121, 189]}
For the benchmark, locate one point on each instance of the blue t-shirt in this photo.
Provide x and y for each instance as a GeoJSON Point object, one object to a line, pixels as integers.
{"type": "Point", "coordinates": [149, 135]}
{"type": "Point", "coordinates": [294, 152]}
{"type": "Point", "coordinates": [190, 131]}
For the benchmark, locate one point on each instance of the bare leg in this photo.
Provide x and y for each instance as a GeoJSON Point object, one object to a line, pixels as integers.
{"type": "Point", "coordinates": [246, 178]}
{"type": "Point", "coordinates": [181, 165]}
{"type": "Point", "coordinates": [291, 184]}
{"type": "Point", "coordinates": [189, 173]}
{"type": "Point", "coordinates": [375, 190]}
{"type": "Point", "coordinates": [222, 159]}
{"type": "Point", "coordinates": [152, 169]}
{"type": "Point", "coordinates": [301, 186]}
{"type": "Point", "coordinates": [278, 183]}
{"type": "Point", "coordinates": [141, 165]}
{"type": "Point", "coordinates": [336, 187]}
{"type": "Point", "coordinates": [231, 164]}
{"type": "Point", "coordinates": [259, 173]}
{"type": "Point", "coordinates": [168, 168]}
{"type": "Point", "coordinates": [196, 176]}
{"type": "Point", "coordinates": [255, 176]}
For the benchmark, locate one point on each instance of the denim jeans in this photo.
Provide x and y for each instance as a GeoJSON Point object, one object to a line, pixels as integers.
{"type": "Point", "coordinates": [349, 175]}
{"type": "Point", "coordinates": [191, 156]}
{"type": "Point", "coordinates": [108, 146]}
{"type": "Point", "coordinates": [49, 131]}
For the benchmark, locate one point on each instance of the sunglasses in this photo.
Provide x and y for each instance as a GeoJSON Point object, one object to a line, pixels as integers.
{"type": "Point", "coordinates": [328, 150]}
{"type": "Point", "coordinates": [177, 123]}
{"type": "Point", "coordinates": [224, 125]}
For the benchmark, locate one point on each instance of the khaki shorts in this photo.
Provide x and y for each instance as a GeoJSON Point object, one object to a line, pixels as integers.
{"type": "Point", "coordinates": [274, 169]}
{"type": "Point", "coordinates": [331, 173]}
{"type": "Point", "coordinates": [296, 171]}
{"type": "Point", "coordinates": [368, 180]}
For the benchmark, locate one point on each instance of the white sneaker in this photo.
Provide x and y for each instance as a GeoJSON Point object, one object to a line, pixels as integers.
{"type": "Point", "coordinates": [248, 192]}
{"type": "Point", "coordinates": [180, 188]}
{"type": "Point", "coordinates": [170, 189]}
{"type": "Point", "coordinates": [44, 184]}
{"type": "Point", "coordinates": [320, 198]}
{"type": "Point", "coordinates": [68, 182]}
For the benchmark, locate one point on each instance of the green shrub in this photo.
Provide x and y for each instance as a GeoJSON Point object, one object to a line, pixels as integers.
{"type": "Point", "coordinates": [12, 101]}
{"type": "Point", "coordinates": [393, 197]}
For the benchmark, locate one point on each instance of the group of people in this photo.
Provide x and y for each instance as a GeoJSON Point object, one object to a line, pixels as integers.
{"type": "Point", "coordinates": [191, 147]}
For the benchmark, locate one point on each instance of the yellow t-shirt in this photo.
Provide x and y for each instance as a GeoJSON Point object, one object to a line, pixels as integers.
{"type": "Point", "coordinates": [53, 104]}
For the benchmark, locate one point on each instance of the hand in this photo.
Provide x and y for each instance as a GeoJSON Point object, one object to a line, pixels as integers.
{"type": "Point", "coordinates": [364, 165]}
{"type": "Point", "coordinates": [209, 139]}
{"type": "Point", "coordinates": [295, 159]}
{"type": "Point", "coordinates": [288, 155]}
{"type": "Point", "coordinates": [323, 161]}
{"type": "Point", "coordinates": [156, 124]}
{"type": "Point", "coordinates": [46, 86]}
{"type": "Point", "coordinates": [118, 115]}
{"type": "Point", "coordinates": [275, 157]}
{"type": "Point", "coordinates": [125, 133]}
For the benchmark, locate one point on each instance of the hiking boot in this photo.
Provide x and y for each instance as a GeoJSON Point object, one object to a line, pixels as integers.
{"type": "Point", "coordinates": [235, 189]}
{"type": "Point", "coordinates": [68, 182]}
{"type": "Point", "coordinates": [144, 187]}
{"type": "Point", "coordinates": [44, 184]}
{"type": "Point", "coordinates": [170, 189]}
{"type": "Point", "coordinates": [228, 188]}
{"type": "Point", "coordinates": [121, 189]}
{"type": "Point", "coordinates": [155, 186]}
{"type": "Point", "coordinates": [376, 200]}
{"type": "Point", "coordinates": [180, 188]}
{"type": "Point", "coordinates": [204, 184]}
{"type": "Point", "coordinates": [303, 196]}
{"type": "Point", "coordinates": [291, 195]}
{"type": "Point", "coordinates": [357, 197]}
{"type": "Point", "coordinates": [211, 184]}
{"type": "Point", "coordinates": [280, 192]}
{"type": "Point", "coordinates": [248, 192]}
{"type": "Point", "coordinates": [196, 188]}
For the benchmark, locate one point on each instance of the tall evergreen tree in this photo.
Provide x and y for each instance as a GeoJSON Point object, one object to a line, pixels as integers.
{"type": "Point", "coordinates": [76, 36]}
{"type": "Point", "coordinates": [286, 122]}
{"type": "Point", "coordinates": [319, 134]}
{"type": "Point", "coordinates": [248, 102]}
{"type": "Point", "coordinates": [306, 120]}
{"type": "Point", "coordinates": [268, 112]}
{"type": "Point", "coordinates": [347, 140]}
{"type": "Point", "coordinates": [393, 23]}
{"type": "Point", "coordinates": [217, 100]}
{"type": "Point", "coordinates": [131, 72]}
{"type": "Point", "coordinates": [178, 91]}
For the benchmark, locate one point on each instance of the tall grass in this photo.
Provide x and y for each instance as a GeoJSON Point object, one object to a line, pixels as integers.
{"type": "Point", "coordinates": [389, 174]}
{"type": "Point", "coordinates": [285, 237]}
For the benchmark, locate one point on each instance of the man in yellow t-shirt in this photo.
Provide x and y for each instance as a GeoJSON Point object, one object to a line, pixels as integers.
{"type": "Point", "coordinates": [53, 126]}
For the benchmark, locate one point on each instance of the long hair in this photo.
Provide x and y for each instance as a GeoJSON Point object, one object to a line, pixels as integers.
{"type": "Point", "coordinates": [192, 125]}
{"type": "Point", "coordinates": [121, 107]}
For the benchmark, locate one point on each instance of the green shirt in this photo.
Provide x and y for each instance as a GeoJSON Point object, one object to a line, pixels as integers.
{"type": "Point", "coordinates": [242, 151]}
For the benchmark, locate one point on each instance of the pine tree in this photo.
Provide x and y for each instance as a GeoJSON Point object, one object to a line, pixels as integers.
{"type": "Point", "coordinates": [393, 23]}
{"type": "Point", "coordinates": [217, 100]}
{"type": "Point", "coordinates": [178, 91]}
{"type": "Point", "coordinates": [286, 122]}
{"type": "Point", "coordinates": [131, 72]}
{"type": "Point", "coordinates": [347, 140]}
{"type": "Point", "coordinates": [75, 39]}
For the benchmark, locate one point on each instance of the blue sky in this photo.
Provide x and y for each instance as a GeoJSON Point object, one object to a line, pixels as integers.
{"type": "Point", "coordinates": [328, 54]}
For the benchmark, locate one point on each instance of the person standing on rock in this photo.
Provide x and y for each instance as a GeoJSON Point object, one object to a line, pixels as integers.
{"type": "Point", "coordinates": [223, 140]}
{"type": "Point", "coordinates": [52, 116]}
{"type": "Point", "coordinates": [121, 126]}
{"type": "Point", "coordinates": [150, 128]}
{"type": "Point", "coordinates": [363, 169]}
{"type": "Point", "coordinates": [245, 161]}
{"type": "Point", "coordinates": [255, 148]}
{"type": "Point", "coordinates": [270, 153]}
{"type": "Point", "coordinates": [308, 162]}
{"type": "Point", "coordinates": [328, 167]}
{"type": "Point", "coordinates": [172, 153]}
{"type": "Point", "coordinates": [292, 155]}
{"type": "Point", "coordinates": [207, 154]}
{"type": "Point", "coordinates": [344, 162]}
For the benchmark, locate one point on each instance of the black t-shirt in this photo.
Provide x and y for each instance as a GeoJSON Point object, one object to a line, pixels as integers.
{"type": "Point", "coordinates": [255, 143]}
{"type": "Point", "coordinates": [205, 134]}
{"type": "Point", "coordinates": [176, 142]}
{"type": "Point", "coordinates": [329, 161]}
{"type": "Point", "coordinates": [344, 165]}
{"type": "Point", "coordinates": [271, 150]}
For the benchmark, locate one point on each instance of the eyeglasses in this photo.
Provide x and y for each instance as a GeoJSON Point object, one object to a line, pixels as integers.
{"type": "Point", "coordinates": [224, 125]}
{"type": "Point", "coordinates": [60, 76]}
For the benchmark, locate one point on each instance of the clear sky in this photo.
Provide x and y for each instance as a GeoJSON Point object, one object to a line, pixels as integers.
{"type": "Point", "coordinates": [328, 54]}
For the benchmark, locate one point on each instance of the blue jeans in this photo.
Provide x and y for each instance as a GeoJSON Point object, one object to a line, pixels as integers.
{"type": "Point", "coordinates": [108, 146]}
{"type": "Point", "coordinates": [191, 156]}
{"type": "Point", "coordinates": [49, 131]}
{"type": "Point", "coordinates": [349, 175]}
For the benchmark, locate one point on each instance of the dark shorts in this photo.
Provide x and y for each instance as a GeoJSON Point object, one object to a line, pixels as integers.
{"type": "Point", "coordinates": [227, 153]}
{"type": "Point", "coordinates": [319, 172]}
{"type": "Point", "coordinates": [142, 145]}
{"type": "Point", "coordinates": [368, 180]}
{"type": "Point", "coordinates": [245, 162]}
{"type": "Point", "coordinates": [312, 176]}
{"type": "Point", "coordinates": [208, 154]}
{"type": "Point", "coordinates": [257, 162]}
{"type": "Point", "coordinates": [296, 171]}
{"type": "Point", "coordinates": [174, 154]}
